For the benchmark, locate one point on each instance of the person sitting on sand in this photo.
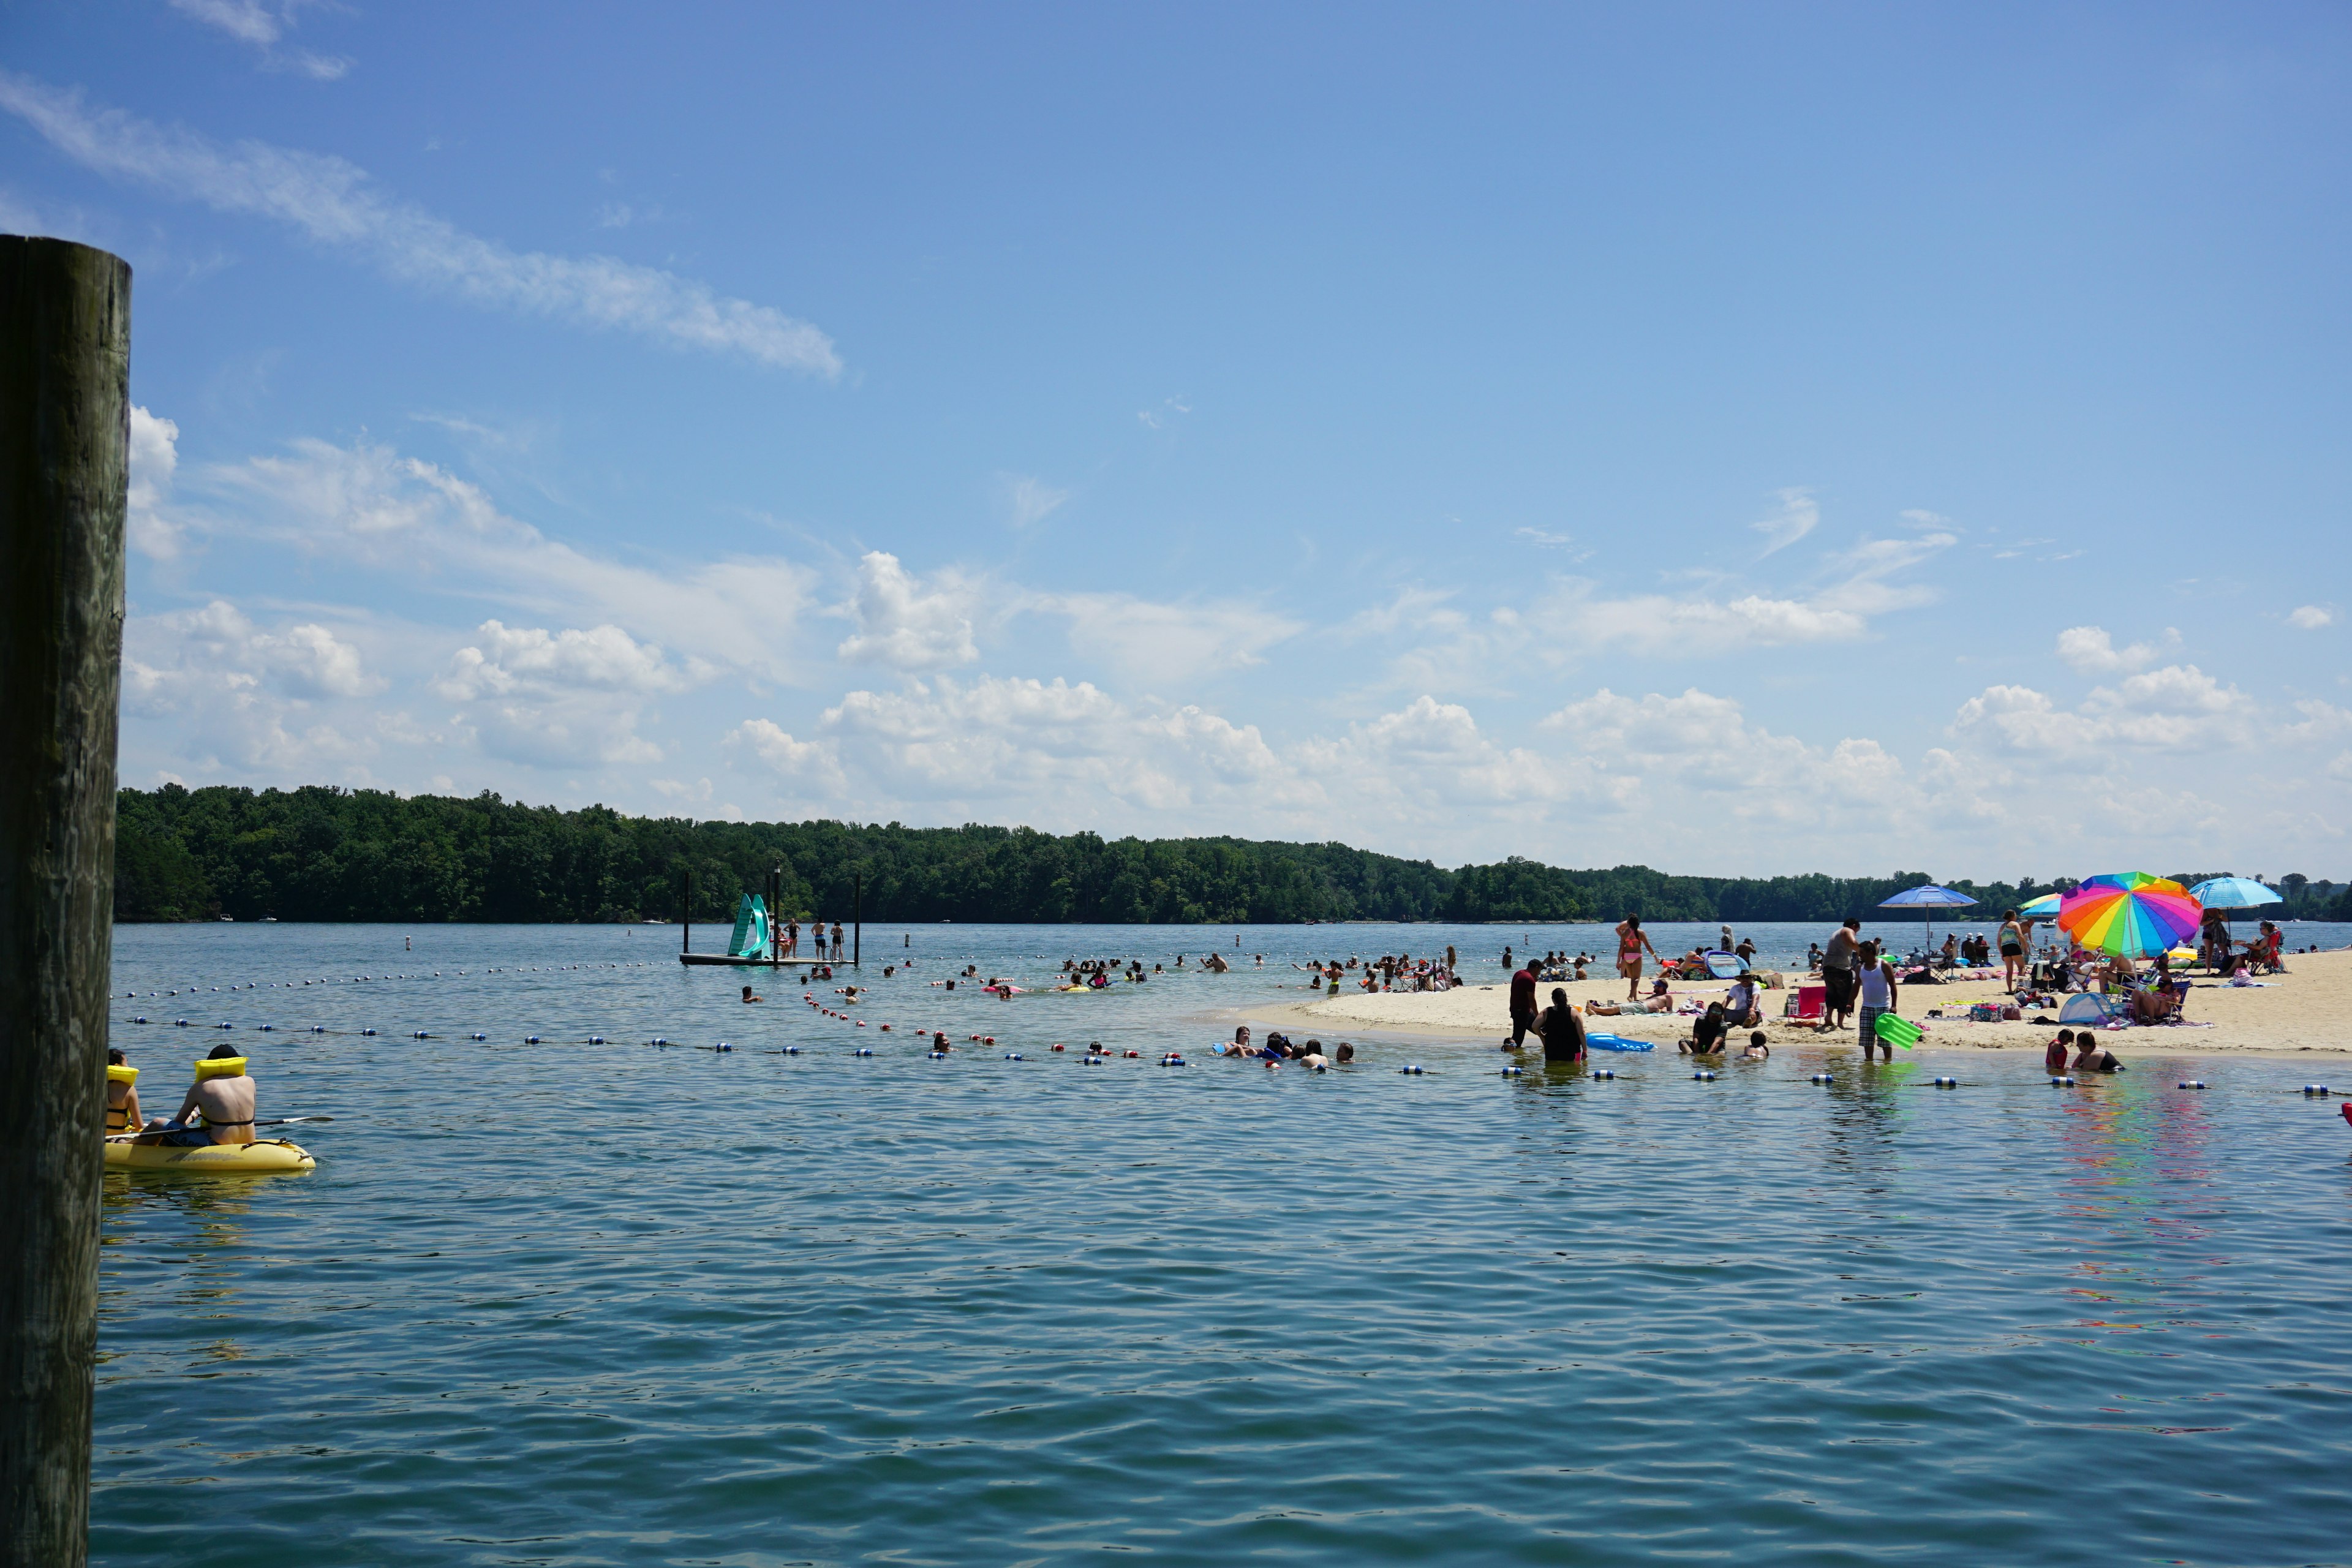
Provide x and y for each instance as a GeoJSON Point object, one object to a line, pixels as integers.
{"type": "Point", "coordinates": [2092, 1056]}
{"type": "Point", "coordinates": [1707, 1033]}
{"type": "Point", "coordinates": [1739, 1004]}
{"type": "Point", "coordinates": [1757, 1049]}
{"type": "Point", "coordinates": [226, 1102]}
{"type": "Point", "coordinates": [749, 997]}
{"type": "Point", "coordinates": [1660, 1000]}
{"type": "Point", "coordinates": [1561, 1030]}
{"type": "Point", "coordinates": [2054, 1054]}
{"type": "Point", "coordinates": [122, 1093]}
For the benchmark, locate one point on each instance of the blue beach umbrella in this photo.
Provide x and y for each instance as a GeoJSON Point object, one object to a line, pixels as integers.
{"type": "Point", "coordinates": [2234, 893]}
{"type": "Point", "coordinates": [2044, 908]}
{"type": "Point", "coordinates": [1926, 900]}
{"type": "Point", "coordinates": [2227, 893]}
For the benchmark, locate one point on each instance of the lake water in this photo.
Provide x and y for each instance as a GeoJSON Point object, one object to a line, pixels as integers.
{"type": "Point", "coordinates": [570, 1303]}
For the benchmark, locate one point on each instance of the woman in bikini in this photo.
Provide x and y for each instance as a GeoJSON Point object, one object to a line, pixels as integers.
{"type": "Point", "coordinates": [1631, 939]}
{"type": "Point", "coordinates": [2012, 951]}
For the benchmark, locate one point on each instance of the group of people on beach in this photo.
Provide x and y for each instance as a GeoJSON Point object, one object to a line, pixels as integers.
{"type": "Point", "coordinates": [1389, 972]}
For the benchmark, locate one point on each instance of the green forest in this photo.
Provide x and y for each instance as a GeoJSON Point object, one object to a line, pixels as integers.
{"type": "Point", "coordinates": [325, 853]}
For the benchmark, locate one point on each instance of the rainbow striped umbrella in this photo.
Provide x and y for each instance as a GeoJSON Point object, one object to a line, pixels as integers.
{"type": "Point", "coordinates": [2130, 914]}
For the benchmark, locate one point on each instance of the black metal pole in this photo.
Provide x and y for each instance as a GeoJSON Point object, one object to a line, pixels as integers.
{"type": "Point", "coordinates": [856, 919]}
{"type": "Point", "coordinates": [686, 916]}
{"type": "Point", "coordinates": [65, 441]}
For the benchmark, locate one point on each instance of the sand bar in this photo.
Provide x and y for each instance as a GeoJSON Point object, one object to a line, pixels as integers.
{"type": "Point", "coordinates": [2309, 1008]}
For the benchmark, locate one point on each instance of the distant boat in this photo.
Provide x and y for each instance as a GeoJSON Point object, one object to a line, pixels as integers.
{"type": "Point", "coordinates": [230, 919]}
{"type": "Point", "coordinates": [269, 920]}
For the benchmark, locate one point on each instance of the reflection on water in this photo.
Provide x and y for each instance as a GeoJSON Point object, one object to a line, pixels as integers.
{"type": "Point", "coordinates": [577, 1303]}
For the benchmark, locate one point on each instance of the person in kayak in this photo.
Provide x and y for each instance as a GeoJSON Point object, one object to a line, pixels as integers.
{"type": "Point", "coordinates": [122, 1094]}
{"type": "Point", "coordinates": [227, 1101]}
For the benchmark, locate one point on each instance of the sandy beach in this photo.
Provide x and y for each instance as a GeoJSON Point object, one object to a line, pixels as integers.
{"type": "Point", "coordinates": [2305, 1009]}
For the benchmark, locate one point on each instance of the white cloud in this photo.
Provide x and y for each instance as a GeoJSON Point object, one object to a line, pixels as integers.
{"type": "Point", "coordinates": [1170, 409]}
{"type": "Point", "coordinates": [250, 22]}
{"type": "Point", "coordinates": [244, 697]}
{"type": "Point", "coordinates": [1154, 642]}
{"type": "Point", "coordinates": [2178, 708]}
{"type": "Point", "coordinates": [2310, 617]}
{"type": "Point", "coordinates": [563, 699]}
{"type": "Point", "coordinates": [2092, 651]}
{"type": "Point", "coordinates": [903, 626]}
{"type": "Point", "coordinates": [373, 506]}
{"type": "Point", "coordinates": [1796, 516]}
{"type": "Point", "coordinates": [154, 457]}
{"type": "Point", "coordinates": [602, 659]}
{"type": "Point", "coordinates": [336, 204]}
{"type": "Point", "coordinates": [1054, 751]}
{"type": "Point", "coordinates": [1032, 500]}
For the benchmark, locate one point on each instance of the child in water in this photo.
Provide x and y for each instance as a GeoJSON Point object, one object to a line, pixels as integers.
{"type": "Point", "coordinates": [2054, 1057]}
{"type": "Point", "coordinates": [1757, 1050]}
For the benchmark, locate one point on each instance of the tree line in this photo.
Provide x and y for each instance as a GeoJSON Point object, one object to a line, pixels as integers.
{"type": "Point", "coordinates": [326, 854]}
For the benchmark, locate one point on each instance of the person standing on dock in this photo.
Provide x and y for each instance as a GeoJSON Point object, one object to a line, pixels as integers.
{"type": "Point", "coordinates": [839, 947]}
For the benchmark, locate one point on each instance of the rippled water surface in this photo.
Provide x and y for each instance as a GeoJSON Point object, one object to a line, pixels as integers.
{"type": "Point", "coordinates": [576, 1303]}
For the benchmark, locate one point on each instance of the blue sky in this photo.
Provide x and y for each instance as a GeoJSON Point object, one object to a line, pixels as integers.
{"type": "Point", "coordinates": [1740, 439]}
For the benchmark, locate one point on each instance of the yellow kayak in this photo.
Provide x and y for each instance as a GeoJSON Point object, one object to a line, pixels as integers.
{"type": "Point", "coordinates": [216, 1159]}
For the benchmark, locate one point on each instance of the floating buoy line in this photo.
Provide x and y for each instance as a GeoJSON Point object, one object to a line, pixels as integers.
{"type": "Point", "coordinates": [1095, 1054]}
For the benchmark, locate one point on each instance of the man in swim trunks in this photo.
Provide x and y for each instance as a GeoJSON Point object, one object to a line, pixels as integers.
{"type": "Point", "coordinates": [1523, 1003]}
{"type": "Point", "coordinates": [1837, 974]}
{"type": "Point", "coordinates": [227, 1104]}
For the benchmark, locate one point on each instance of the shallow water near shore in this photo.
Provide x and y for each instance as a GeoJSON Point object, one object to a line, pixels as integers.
{"type": "Point", "coordinates": [575, 1303]}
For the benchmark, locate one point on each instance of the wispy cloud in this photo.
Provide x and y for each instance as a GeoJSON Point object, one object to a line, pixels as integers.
{"type": "Point", "coordinates": [1158, 418]}
{"type": "Point", "coordinates": [1031, 500]}
{"type": "Point", "coordinates": [250, 22]}
{"type": "Point", "coordinates": [1795, 517]}
{"type": "Point", "coordinates": [336, 204]}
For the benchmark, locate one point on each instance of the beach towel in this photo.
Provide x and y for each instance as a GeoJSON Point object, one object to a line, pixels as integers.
{"type": "Point", "coordinates": [1617, 1043]}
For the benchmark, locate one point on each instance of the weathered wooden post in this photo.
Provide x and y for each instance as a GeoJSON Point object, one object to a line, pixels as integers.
{"type": "Point", "coordinates": [65, 439]}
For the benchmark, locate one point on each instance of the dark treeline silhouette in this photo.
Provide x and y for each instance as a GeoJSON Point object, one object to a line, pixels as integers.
{"type": "Point", "coordinates": [322, 854]}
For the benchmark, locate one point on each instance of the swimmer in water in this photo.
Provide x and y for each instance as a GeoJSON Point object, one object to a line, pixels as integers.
{"type": "Point", "coordinates": [749, 997]}
{"type": "Point", "coordinates": [1757, 1049]}
{"type": "Point", "coordinates": [2054, 1055]}
{"type": "Point", "coordinates": [2094, 1056]}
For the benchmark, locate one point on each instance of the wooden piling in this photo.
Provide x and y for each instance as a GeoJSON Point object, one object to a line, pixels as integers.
{"type": "Point", "coordinates": [65, 441]}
